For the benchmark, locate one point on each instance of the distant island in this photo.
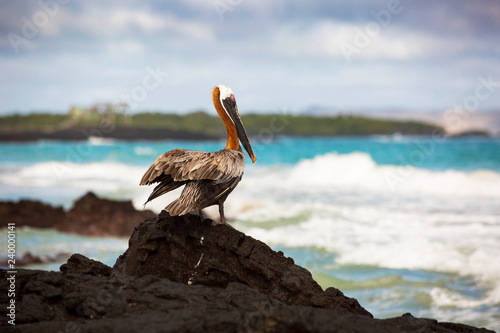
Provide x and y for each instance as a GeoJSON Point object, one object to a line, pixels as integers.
{"type": "Point", "coordinates": [109, 121]}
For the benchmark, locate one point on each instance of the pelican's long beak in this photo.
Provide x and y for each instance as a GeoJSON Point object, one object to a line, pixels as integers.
{"type": "Point", "coordinates": [232, 110]}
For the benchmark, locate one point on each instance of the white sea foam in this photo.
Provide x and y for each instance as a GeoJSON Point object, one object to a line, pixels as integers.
{"type": "Point", "coordinates": [145, 150]}
{"type": "Point", "coordinates": [358, 171]}
{"type": "Point", "coordinates": [101, 176]}
{"type": "Point", "coordinates": [100, 141]}
{"type": "Point", "coordinates": [330, 173]}
{"type": "Point", "coordinates": [448, 298]}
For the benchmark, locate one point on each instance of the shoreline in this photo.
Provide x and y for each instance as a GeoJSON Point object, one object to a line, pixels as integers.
{"type": "Point", "coordinates": [148, 134]}
{"type": "Point", "coordinates": [199, 126]}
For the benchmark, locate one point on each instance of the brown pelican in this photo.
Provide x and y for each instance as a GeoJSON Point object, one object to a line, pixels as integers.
{"type": "Point", "coordinates": [209, 177]}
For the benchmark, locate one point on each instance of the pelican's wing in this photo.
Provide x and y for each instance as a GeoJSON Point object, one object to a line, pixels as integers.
{"type": "Point", "coordinates": [185, 165]}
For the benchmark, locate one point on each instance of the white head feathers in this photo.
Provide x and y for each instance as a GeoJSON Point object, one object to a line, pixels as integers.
{"type": "Point", "coordinates": [225, 92]}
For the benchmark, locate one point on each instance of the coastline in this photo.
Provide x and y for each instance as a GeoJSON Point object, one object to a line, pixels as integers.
{"type": "Point", "coordinates": [160, 126]}
{"type": "Point", "coordinates": [159, 134]}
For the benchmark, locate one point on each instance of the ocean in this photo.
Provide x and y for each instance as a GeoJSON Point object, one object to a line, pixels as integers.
{"type": "Point", "coordinates": [403, 224]}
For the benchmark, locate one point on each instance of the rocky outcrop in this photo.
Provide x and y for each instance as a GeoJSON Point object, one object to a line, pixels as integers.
{"type": "Point", "coordinates": [188, 250]}
{"type": "Point", "coordinates": [95, 216]}
{"type": "Point", "coordinates": [31, 213]}
{"type": "Point", "coordinates": [181, 274]}
{"type": "Point", "coordinates": [90, 215]}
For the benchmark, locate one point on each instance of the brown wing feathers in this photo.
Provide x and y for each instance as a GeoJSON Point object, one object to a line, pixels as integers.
{"type": "Point", "coordinates": [179, 166]}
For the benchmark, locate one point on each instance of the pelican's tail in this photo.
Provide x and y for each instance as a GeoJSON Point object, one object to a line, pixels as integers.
{"type": "Point", "coordinates": [177, 208]}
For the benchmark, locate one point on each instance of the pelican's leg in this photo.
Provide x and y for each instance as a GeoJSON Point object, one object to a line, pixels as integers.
{"type": "Point", "coordinates": [221, 212]}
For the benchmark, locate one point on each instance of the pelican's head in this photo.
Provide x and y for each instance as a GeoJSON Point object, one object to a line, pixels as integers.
{"type": "Point", "coordinates": [228, 103]}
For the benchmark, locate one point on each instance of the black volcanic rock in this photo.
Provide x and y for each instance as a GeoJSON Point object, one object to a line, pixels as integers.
{"type": "Point", "coordinates": [181, 274]}
{"type": "Point", "coordinates": [72, 303]}
{"type": "Point", "coordinates": [79, 264]}
{"type": "Point", "coordinates": [192, 251]}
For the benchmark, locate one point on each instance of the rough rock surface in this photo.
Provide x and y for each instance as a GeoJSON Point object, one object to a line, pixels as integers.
{"type": "Point", "coordinates": [90, 215]}
{"type": "Point", "coordinates": [192, 251]}
{"type": "Point", "coordinates": [183, 275]}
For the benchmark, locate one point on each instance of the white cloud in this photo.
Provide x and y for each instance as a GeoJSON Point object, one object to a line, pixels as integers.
{"type": "Point", "coordinates": [122, 17]}
{"type": "Point", "coordinates": [399, 46]}
{"type": "Point", "coordinates": [258, 47]}
{"type": "Point", "coordinates": [358, 41]}
{"type": "Point", "coordinates": [97, 21]}
{"type": "Point", "coordinates": [313, 39]}
{"type": "Point", "coordinates": [130, 47]}
{"type": "Point", "coordinates": [112, 21]}
{"type": "Point", "coordinates": [256, 7]}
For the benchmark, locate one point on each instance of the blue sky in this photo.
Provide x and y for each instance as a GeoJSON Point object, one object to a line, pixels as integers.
{"type": "Point", "coordinates": [275, 55]}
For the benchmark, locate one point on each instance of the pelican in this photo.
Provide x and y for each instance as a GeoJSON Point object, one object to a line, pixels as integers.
{"type": "Point", "coordinates": [209, 177]}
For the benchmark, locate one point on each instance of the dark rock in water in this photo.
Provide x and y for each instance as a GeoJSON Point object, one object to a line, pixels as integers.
{"type": "Point", "coordinates": [94, 216]}
{"type": "Point", "coordinates": [27, 258]}
{"type": "Point", "coordinates": [184, 275]}
{"type": "Point", "coordinates": [90, 215]}
{"type": "Point", "coordinates": [31, 213]}
{"type": "Point", "coordinates": [471, 134]}
{"type": "Point", "coordinates": [190, 251]}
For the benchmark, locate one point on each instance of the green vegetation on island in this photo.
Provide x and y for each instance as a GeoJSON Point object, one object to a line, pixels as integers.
{"type": "Point", "coordinates": [30, 122]}
{"type": "Point", "coordinates": [198, 125]}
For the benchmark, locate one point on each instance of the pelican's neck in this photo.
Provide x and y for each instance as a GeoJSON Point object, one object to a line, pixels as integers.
{"type": "Point", "coordinates": [232, 137]}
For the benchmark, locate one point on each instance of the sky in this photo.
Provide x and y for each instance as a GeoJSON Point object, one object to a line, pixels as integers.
{"type": "Point", "coordinates": [277, 56]}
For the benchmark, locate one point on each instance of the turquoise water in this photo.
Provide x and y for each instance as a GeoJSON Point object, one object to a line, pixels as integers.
{"type": "Point", "coordinates": [403, 224]}
{"type": "Point", "coordinates": [438, 153]}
